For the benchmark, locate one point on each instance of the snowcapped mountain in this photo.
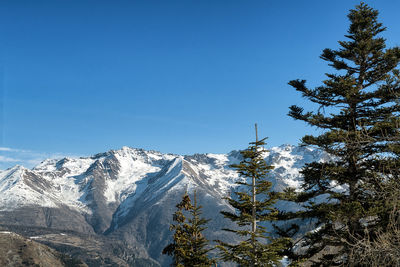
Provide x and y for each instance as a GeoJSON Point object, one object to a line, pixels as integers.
{"type": "Point", "coordinates": [130, 194]}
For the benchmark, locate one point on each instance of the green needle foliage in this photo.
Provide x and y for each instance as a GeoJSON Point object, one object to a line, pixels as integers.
{"type": "Point", "coordinates": [189, 247]}
{"type": "Point", "coordinates": [252, 206]}
{"type": "Point", "coordinates": [358, 118]}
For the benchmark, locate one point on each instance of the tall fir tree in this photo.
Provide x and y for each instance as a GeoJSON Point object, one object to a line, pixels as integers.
{"type": "Point", "coordinates": [252, 206]}
{"type": "Point", "coordinates": [358, 118]}
{"type": "Point", "coordinates": [189, 246]}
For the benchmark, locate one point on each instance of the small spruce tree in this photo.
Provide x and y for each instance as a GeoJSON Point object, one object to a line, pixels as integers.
{"type": "Point", "coordinates": [189, 246]}
{"type": "Point", "coordinates": [252, 206]}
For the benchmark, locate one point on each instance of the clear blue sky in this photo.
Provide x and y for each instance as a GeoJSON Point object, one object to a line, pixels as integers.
{"type": "Point", "coordinates": [81, 77]}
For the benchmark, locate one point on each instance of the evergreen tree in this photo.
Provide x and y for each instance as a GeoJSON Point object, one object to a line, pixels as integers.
{"type": "Point", "coordinates": [358, 118]}
{"type": "Point", "coordinates": [253, 205]}
{"type": "Point", "coordinates": [189, 247]}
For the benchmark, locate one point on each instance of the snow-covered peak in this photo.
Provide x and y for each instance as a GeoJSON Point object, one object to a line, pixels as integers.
{"type": "Point", "coordinates": [10, 177]}
{"type": "Point", "coordinates": [130, 193]}
{"type": "Point", "coordinates": [134, 165]}
{"type": "Point", "coordinates": [22, 187]}
{"type": "Point", "coordinates": [121, 175]}
{"type": "Point", "coordinates": [15, 168]}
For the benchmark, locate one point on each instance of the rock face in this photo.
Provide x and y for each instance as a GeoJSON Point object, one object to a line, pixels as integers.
{"type": "Point", "coordinates": [16, 250]}
{"type": "Point", "coordinates": [130, 195]}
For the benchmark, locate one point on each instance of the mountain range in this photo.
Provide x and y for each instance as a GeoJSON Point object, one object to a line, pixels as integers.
{"type": "Point", "coordinates": [114, 208]}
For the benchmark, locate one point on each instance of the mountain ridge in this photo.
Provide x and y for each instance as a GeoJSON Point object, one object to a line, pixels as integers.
{"type": "Point", "coordinates": [130, 194]}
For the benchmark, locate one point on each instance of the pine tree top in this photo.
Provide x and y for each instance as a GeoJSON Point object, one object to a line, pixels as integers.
{"type": "Point", "coordinates": [253, 205]}
{"type": "Point", "coordinates": [189, 246]}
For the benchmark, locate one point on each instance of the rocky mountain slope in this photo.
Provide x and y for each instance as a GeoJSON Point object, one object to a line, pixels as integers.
{"type": "Point", "coordinates": [16, 250]}
{"type": "Point", "coordinates": [125, 198]}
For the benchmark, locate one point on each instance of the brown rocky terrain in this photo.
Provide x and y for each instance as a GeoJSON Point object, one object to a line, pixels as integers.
{"type": "Point", "coordinates": [16, 250]}
{"type": "Point", "coordinates": [74, 248]}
